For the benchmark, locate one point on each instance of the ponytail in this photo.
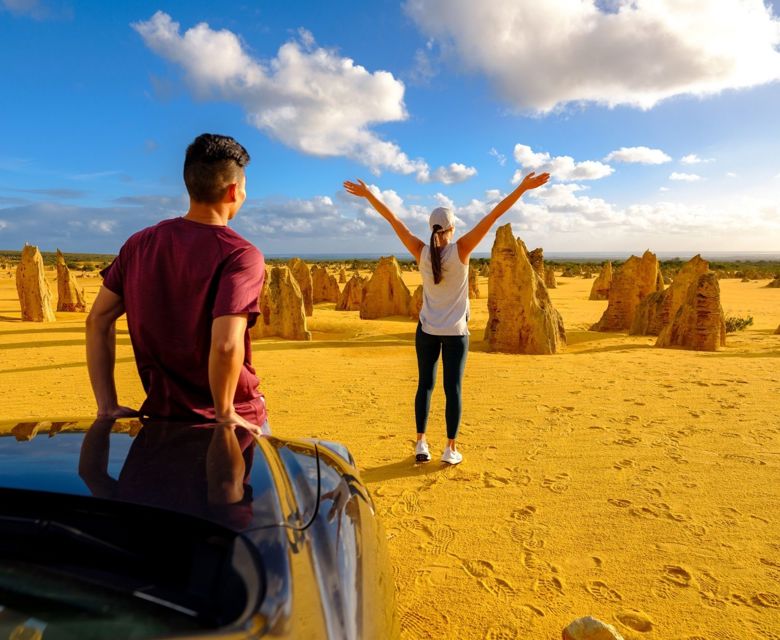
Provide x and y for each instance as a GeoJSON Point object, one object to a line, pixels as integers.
{"type": "Point", "coordinates": [436, 254]}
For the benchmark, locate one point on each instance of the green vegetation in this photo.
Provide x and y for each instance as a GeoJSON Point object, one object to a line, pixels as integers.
{"type": "Point", "coordinates": [735, 323]}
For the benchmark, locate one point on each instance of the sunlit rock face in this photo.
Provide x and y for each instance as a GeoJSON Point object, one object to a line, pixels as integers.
{"type": "Point", "coordinates": [385, 294]}
{"type": "Point", "coordinates": [522, 318]}
{"type": "Point", "coordinates": [32, 288]}
{"type": "Point", "coordinates": [282, 312]}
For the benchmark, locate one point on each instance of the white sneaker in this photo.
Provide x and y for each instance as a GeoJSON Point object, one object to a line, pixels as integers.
{"type": "Point", "coordinates": [421, 451]}
{"type": "Point", "coordinates": [451, 457]}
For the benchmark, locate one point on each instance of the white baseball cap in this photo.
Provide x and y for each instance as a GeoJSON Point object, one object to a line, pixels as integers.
{"type": "Point", "coordinates": [443, 217]}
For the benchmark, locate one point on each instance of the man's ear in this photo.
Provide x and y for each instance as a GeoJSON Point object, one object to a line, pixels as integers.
{"type": "Point", "coordinates": [230, 194]}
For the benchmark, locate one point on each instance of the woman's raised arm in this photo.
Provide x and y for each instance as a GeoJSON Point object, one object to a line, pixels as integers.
{"type": "Point", "coordinates": [469, 241]}
{"type": "Point", "coordinates": [413, 244]}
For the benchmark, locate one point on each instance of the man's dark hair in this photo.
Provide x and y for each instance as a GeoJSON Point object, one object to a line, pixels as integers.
{"type": "Point", "coordinates": [211, 163]}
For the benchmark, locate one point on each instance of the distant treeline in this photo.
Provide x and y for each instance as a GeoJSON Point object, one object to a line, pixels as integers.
{"type": "Point", "coordinates": [78, 261]}
{"type": "Point", "coordinates": [751, 269]}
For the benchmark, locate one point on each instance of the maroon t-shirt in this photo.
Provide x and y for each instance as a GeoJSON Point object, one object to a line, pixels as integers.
{"type": "Point", "coordinates": [174, 279]}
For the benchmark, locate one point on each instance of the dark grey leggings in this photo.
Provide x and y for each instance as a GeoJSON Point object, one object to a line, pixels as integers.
{"type": "Point", "coordinates": [453, 354]}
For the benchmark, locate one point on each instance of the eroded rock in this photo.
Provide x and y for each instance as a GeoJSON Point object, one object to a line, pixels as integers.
{"type": "Point", "coordinates": [69, 296]}
{"type": "Point", "coordinates": [522, 318]}
{"type": "Point", "coordinates": [325, 287]}
{"type": "Point", "coordinates": [473, 284]}
{"type": "Point", "coordinates": [33, 290]}
{"type": "Point", "coordinates": [589, 628]}
{"type": "Point", "coordinates": [631, 283]}
{"type": "Point", "coordinates": [415, 306]}
{"type": "Point", "coordinates": [282, 311]}
{"type": "Point", "coordinates": [385, 294]}
{"type": "Point", "coordinates": [699, 323]}
{"type": "Point", "coordinates": [601, 285]}
{"type": "Point", "coordinates": [350, 298]}
{"type": "Point", "coordinates": [302, 276]}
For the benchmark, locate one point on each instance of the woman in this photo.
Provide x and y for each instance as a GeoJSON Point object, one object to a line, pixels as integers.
{"type": "Point", "coordinates": [443, 326]}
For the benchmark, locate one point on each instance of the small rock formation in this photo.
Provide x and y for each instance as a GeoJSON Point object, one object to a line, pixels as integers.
{"type": "Point", "coordinates": [350, 298]}
{"type": "Point", "coordinates": [549, 278]}
{"type": "Point", "coordinates": [282, 311]}
{"type": "Point", "coordinates": [26, 431]}
{"type": "Point", "coordinates": [342, 276]}
{"type": "Point", "coordinates": [537, 261]}
{"type": "Point", "coordinates": [473, 284]}
{"type": "Point", "coordinates": [69, 297]}
{"type": "Point", "coordinates": [33, 290]}
{"type": "Point", "coordinates": [325, 287]}
{"type": "Point", "coordinates": [777, 331]}
{"type": "Point", "coordinates": [590, 629]}
{"type": "Point", "coordinates": [571, 272]}
{"type": "Point", "coordinates": [522, 318]}
{"type": "Point", "coordinates": [699, 323]}
{"type": "Point", "coordinates": [385, 294]}
{"type": "Point", "coordinates": [416, 305]}
{"type": "Point", "coordinates": [302, 276]}
{"type": "Point", "coordinates": [635, 280]}
{"type": "Point", "coordinates": [485, 271]}
{"type": "Point", "coordinates": [600, 288]}
{"type": "Point", "coordinates": [775, 284]}
{"type": "Point", "coordinates": [659, 308]}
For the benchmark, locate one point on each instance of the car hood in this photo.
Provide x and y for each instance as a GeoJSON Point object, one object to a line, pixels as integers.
{"type": "Point", "coordinates": [220, 473]}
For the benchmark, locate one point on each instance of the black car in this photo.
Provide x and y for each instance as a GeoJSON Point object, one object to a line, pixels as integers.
{"type": "Point", "coordinates": [149, 529]}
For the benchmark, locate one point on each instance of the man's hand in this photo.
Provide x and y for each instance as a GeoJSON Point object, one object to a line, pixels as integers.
{"type": "Point", "coordinates": [117, 412]}
{"type": "Point", "coordinates": [234, 419]}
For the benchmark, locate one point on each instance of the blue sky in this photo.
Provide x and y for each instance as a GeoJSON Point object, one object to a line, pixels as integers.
{"type": "Point", "coordinates": [657, 119]}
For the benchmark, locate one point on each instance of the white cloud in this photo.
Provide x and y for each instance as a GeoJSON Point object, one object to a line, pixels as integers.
{"type": "Point", "coordinates": [640, 155]}
{"type": "Point", "coordinates": [310, 99]}
{"type": "Point", "coordinates": [636, 52]}
{"type": "Point", "coordinates": [560, 167]}
{"type": "Point", "coordinates": [684, 177]}
{"type": "Point", "coordinates": [692, 158]}
{"type": "Point", "coordinates": [664, 189]}
{"type": "Point", "coordinates": [731, 174]}
{"type": "Point", "coordinates": [452, 174]}
{"type": "Point", "coordinates": [500, 157]}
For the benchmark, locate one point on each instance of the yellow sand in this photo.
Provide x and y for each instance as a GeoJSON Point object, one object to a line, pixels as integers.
{"type": "Point", "coordinates": [635, 484]}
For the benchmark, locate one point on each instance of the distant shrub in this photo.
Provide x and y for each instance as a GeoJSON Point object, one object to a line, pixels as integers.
{"type": "Point", "coordinates": [735, 323]}
{"type": "Point", "coordinates": [88, 267]}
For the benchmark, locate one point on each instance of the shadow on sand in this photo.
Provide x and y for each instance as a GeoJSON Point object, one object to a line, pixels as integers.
{"type": "Point", "coordinates": [405, 468]}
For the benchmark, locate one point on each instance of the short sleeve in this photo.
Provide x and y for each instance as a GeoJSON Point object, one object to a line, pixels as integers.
{"type": "Point", "coordinates": [113, 275]}
{"type": "Point", "coordinates": [239, 285]}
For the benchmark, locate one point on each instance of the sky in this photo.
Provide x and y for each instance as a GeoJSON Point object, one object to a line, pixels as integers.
{"type": "Point", "coordinates": [658, 119]}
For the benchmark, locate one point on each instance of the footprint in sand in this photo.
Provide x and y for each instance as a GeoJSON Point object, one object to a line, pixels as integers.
{"type": "Point", "coordinates": [635, 620]}
{"type": "Point", "coordinates": [410, 502]}
{"type": "Point", "coordinates": [502, 632]}
{"type": "Point", "coordinates": [763, 630]}
{"type": "Point", "coordinates": [619, 502]}
{"type": "Point", "coordinates": [499, 587]}
{"type": "Point", "coordinates": [493, 480]}
{"type": "Point", "coordinates": [744, 459]}
{"type": "Point", "coordinates": [628, 442]}
{"type": "Point", "coordinates": [441, 539]}
{"type": "Point", "coordinates": [478, 568]}
{"type": "Point", "coordinates": [532, 561]}
{"type": "Point", "coordinates": [624, 464]}
{"type": "Point", "coordinates": [551, 592]}
{"type": "Point", "coordinates": [416, 625]}
{"type": "Point", "coordinates": [559, 483]}
{"type": "Point", "coordinates": [677, 575]}
{"type": "Point", "coordinates": [601, 592]}
{"type": "Point", "coordinates": [523, 514]}
{"type": "Point", "coordinates": [767, 599]}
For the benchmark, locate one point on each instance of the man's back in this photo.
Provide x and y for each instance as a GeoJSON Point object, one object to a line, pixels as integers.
{"type": "Point", "coordinates": [174, 279]}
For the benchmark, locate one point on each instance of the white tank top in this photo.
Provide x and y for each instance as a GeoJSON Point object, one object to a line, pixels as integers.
{"type": "Point", "coordinates": [445, 308]}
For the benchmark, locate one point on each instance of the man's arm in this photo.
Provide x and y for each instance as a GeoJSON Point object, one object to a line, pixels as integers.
{"type": "Point", "coordinates": [101, 352]}
{"type": "Point", "coordinates": [226, 359]}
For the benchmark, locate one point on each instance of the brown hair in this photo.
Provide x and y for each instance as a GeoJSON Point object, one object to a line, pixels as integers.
{"type": "Point", "coordinates": [436, 254]}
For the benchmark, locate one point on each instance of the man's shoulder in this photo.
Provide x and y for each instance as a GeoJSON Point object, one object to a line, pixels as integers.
{"type": "Point", "coordinates": [238, 245]}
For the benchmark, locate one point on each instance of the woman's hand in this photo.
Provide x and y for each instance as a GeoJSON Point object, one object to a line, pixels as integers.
{"type": "Point", "coordinates": [532, 181]}
{"type": "Point", "coordinates": [360, 190]}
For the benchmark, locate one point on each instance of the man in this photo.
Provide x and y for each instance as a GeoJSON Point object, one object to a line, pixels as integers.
{"type": "Point", "coordinates": [189, 286]}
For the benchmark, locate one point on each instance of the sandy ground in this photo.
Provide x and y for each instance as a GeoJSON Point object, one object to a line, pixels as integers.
{"type": "Point", "coordinates": [636, 484]}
